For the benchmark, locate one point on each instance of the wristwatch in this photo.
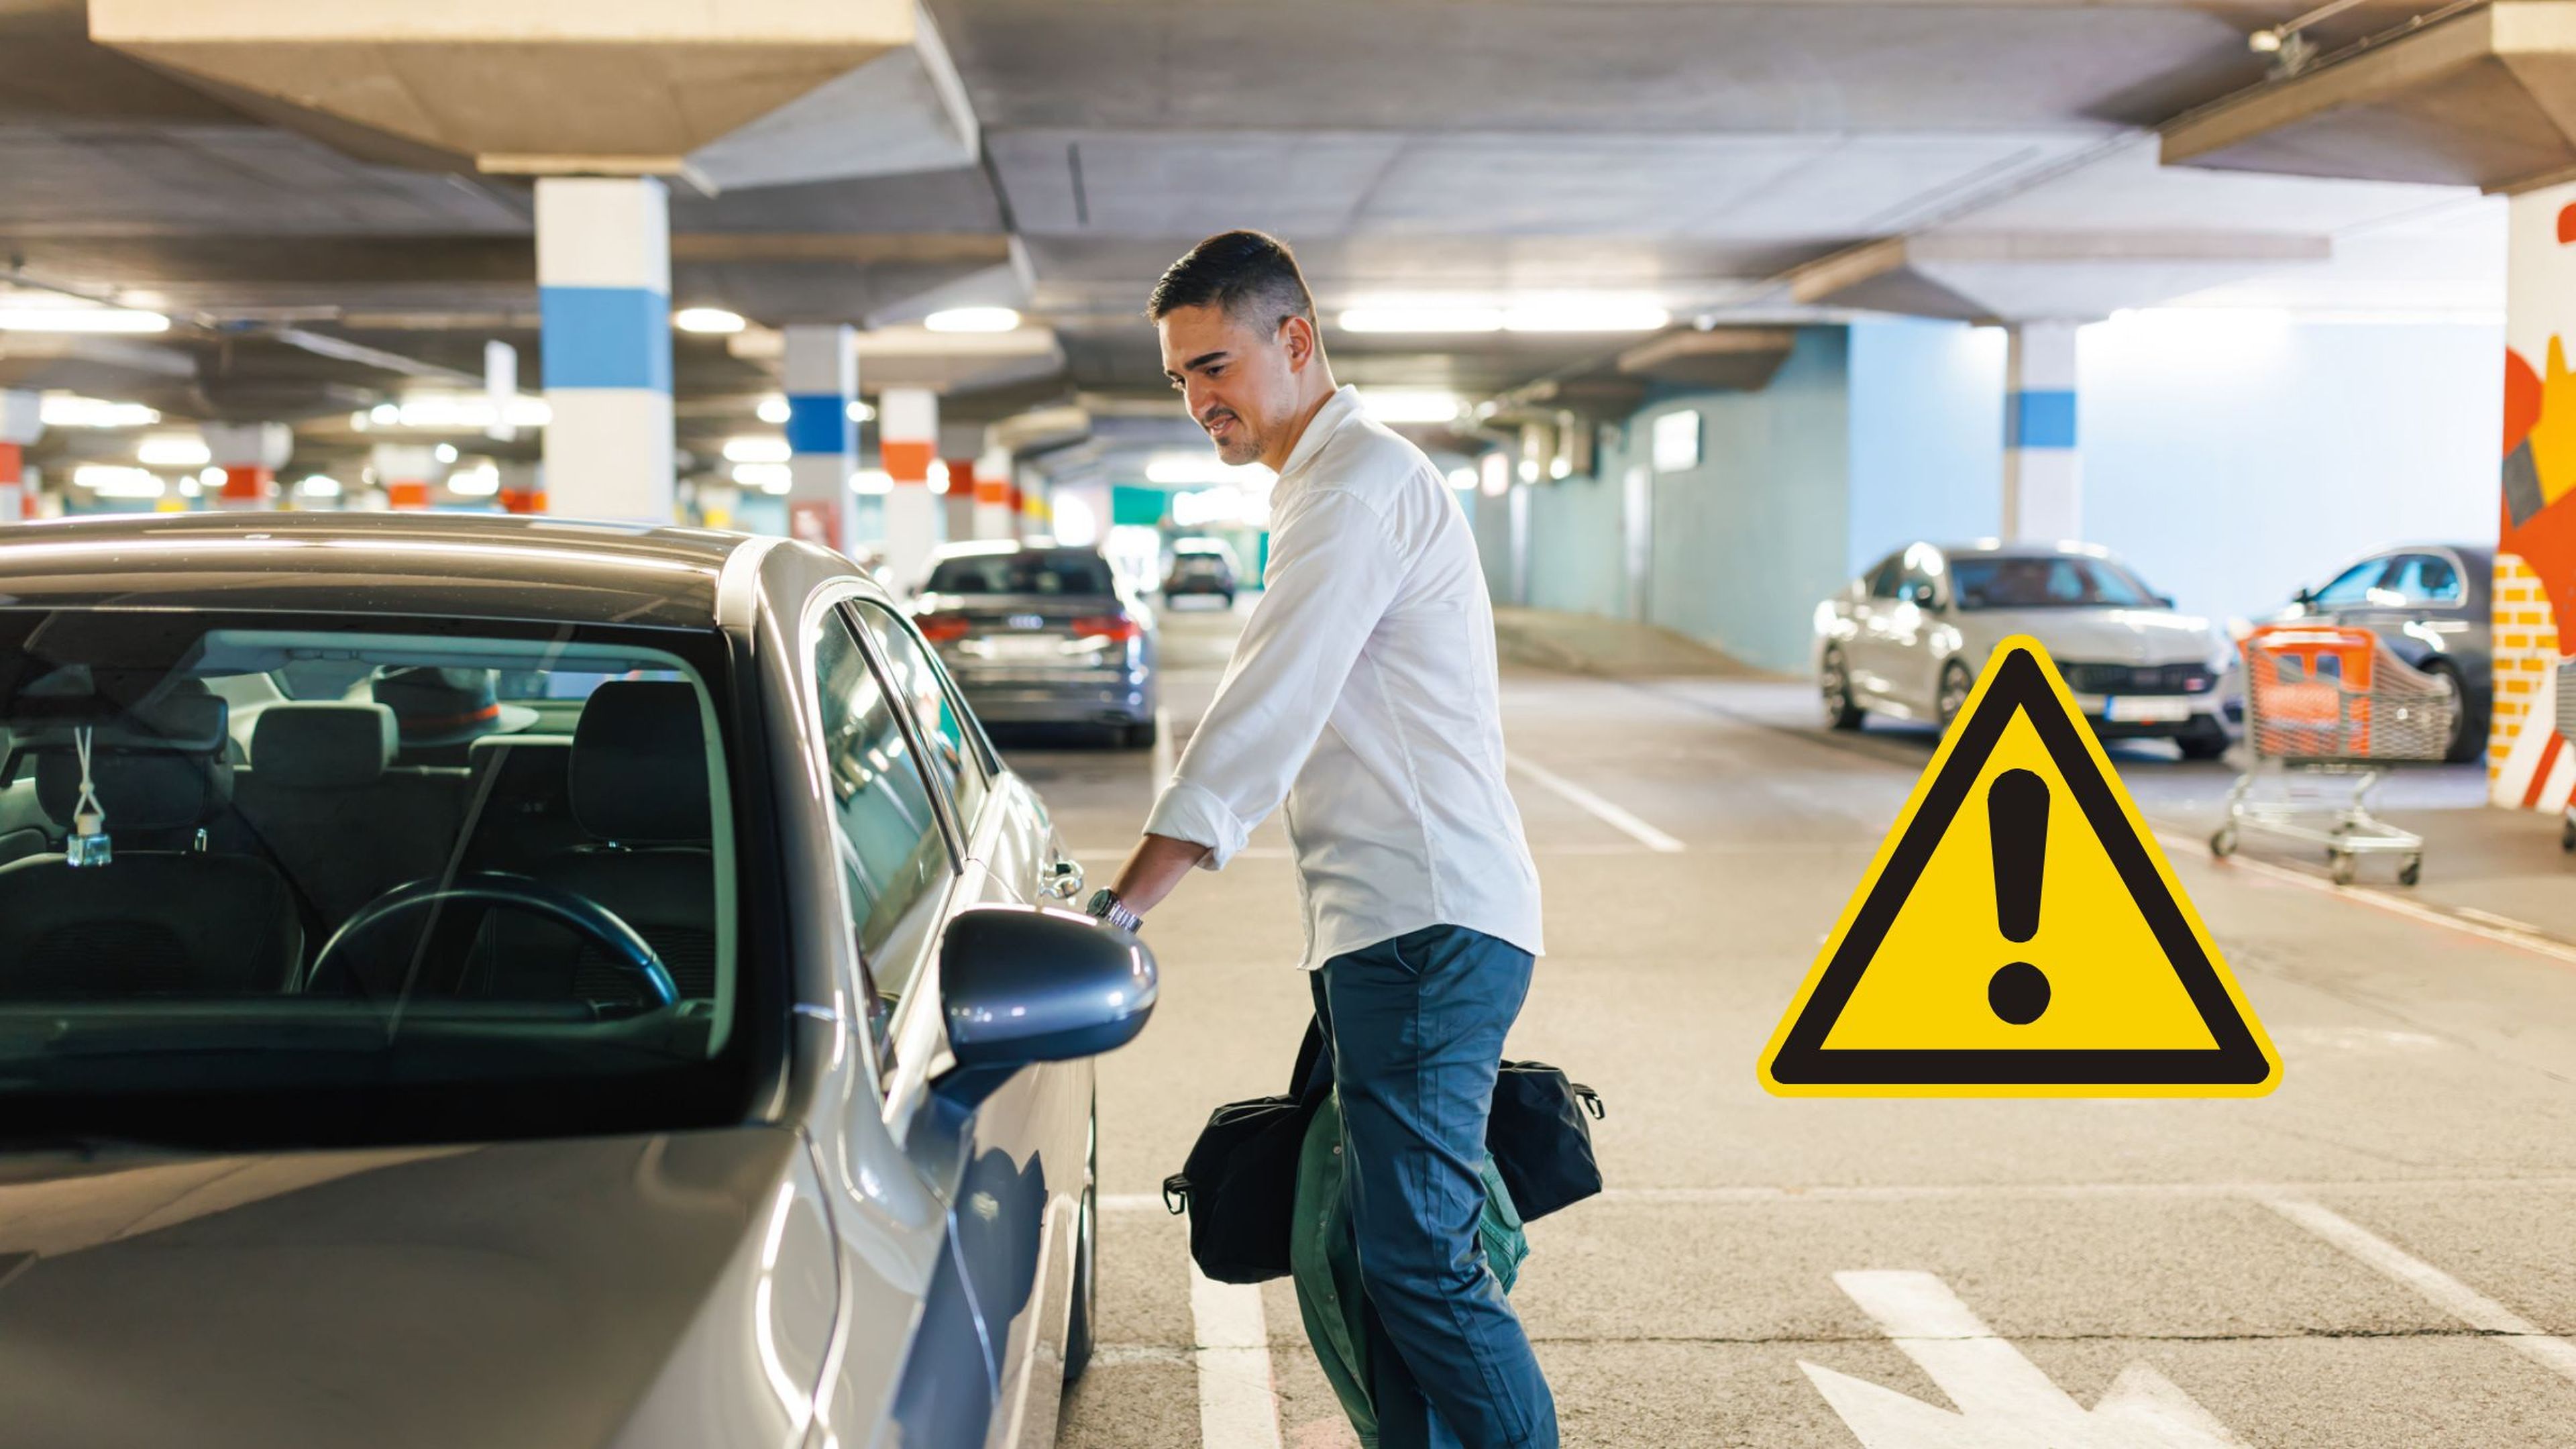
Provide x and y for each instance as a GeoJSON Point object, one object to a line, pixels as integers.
{"type": "Point", "coordinates": [1106, 906]}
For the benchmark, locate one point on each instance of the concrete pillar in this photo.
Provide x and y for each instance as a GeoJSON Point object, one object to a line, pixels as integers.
{"type": "Point", "coordinates": [908, 443]}
{"type": "Point", "coordinates": [22, 421]}
{"type": "Point", "coordinates": [2530, 764]}
{"type": "Point", "coordinates": [406, 471]}
{"type": "Point", "coordinates": [821, 370]}
{"type": "Point", "coordinates": [250, 455]}
{"type": "Point", "coordinates": [2043, 472]}
{"type": "Point", "coordinates": [1029, 498]}
{"type": "Point", "coordinates": [604, 291]}
{"type": "Point", "coordinates": [996, 513]}
{"type": "Point", "coordinates": [716, 504]}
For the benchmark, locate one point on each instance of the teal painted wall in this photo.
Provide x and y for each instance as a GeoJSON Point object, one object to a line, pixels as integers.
{"type": "Point", "coordinates": [1927, 435]}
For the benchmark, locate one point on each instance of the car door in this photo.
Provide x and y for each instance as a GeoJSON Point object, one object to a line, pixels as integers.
{"type": "Point", "coordinates": [2424, 607]}
{"type": "Point", "coordinates": [1869, 655]}
{"type": "Point", "coordinates": [1905, 631]}
{"type": "Point", "coordinates": [1015, 1218]}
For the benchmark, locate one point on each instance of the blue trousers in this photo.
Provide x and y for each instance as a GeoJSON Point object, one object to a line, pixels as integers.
{"type": "Point", "coordinates": [1416, 1026]}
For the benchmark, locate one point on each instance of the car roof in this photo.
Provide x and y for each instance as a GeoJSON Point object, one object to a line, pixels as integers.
{"type": "Point", "coordinates": [474, 565]}
{"type": "Point", "coordinates": [1997, 548]}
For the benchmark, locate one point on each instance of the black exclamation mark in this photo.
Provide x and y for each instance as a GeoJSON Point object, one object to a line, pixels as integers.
{"type": "Point", "coordinates": [2017, 825]}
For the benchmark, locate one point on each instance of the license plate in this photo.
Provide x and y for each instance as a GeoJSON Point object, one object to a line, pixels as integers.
{"type": "Point", "coordinates": [1010, 646]}
{"type": "Point", "coordinates": [2149, 709]}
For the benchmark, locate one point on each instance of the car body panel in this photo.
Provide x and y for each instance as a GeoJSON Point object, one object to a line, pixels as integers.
{"type": "Point", "coordinates": [1023, 663]}
{"type": "Point", "coordinates": [2421, 631]}
{"type": "Point", "coordinates": [852, 1248]}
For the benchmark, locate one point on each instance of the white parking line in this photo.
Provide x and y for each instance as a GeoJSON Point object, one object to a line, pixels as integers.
{"type": "Point", "coordinates": [1238, 1400]}
{"type": "Point", "coordinates": [1599, 808]}
{"type": "Point", "coordinates": [2446, 1292]}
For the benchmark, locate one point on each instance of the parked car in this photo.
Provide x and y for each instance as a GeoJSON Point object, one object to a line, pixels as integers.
{"type": "Point", "coordinates": [2429, 603]}
{"type": "Point", "coordinates": [1907, 638]}
{"type": "Point", "coordinates": [702, 1062]}
{"type": "Point", "coordinates": [1043, 634]}
{"type": "Point", "coordinates": [1201, 566]}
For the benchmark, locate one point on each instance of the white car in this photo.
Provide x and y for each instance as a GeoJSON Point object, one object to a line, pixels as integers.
{"type": "Point", "coordinates": [1907, 638]}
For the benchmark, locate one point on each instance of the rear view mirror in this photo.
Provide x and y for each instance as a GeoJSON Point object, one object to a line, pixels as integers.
{"type": "Point", "coordinates": [1021, 985]}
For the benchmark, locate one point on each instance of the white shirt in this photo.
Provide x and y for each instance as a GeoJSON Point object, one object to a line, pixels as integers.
{"type": "Point", "coordinates": [1363, 693]}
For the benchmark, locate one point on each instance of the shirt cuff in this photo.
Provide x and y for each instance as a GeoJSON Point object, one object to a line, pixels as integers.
{"type": "Point", "coordinates": [1195, 814]}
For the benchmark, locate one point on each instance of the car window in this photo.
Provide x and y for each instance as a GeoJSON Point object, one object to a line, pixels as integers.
{"type": "Point", "coordinates": [1069, 571]}
{"type": "Point", "coordinates": [2353, 585]}
{"type": "Point", "coordinates": [894, 857]}
{"type": "Point", "coordinates": [2044, 582]}
{"type": "Point", "coordinates": [1883, 579]}
{"type": "Point", "coordinates": [241, 910]}
{"type": "Point", "coordinates": [923, 688]}
{"type": "Point", "coordinates": [2426, 578]}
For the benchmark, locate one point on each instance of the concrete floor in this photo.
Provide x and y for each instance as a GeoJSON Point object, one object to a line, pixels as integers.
{"type": "Point", "coordinates": [2378, 1254]}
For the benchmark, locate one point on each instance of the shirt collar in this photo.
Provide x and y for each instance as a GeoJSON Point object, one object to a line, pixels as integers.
{"type": "Point", "coordinates": [1338, 409]}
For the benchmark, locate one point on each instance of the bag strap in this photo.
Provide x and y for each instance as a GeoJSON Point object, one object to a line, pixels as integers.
{"type": "Point", "coordinates": [1176, 1194]}
{"type": "Point", "coordinates": [1311, 1056]}
{"type": "Point", "coordinates": [1590, 1099]}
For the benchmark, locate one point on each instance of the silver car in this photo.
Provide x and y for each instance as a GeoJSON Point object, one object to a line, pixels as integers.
{"type": "Point", "coordinates": [1041, 633]}
{"type": "Point", "coordinates": [704, 1061]}
{"type": "Point", "coordinates": [1907, 638]}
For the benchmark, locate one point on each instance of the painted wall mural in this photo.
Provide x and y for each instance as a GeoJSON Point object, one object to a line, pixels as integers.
{"type": "Point", "coordinates": [2530, 764]}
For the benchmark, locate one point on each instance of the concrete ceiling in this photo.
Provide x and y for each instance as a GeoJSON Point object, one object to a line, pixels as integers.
{"type": "Point", "coordinates": [1692, 151]}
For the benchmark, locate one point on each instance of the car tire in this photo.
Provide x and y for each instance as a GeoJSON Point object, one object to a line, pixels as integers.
{"type": "Point", "coordinates": [2202, 744]}
{"type": "Point", "coordinates": [1833, 679]}
{"type": "Point", "coordinates": [1078, 1334]}
{"type": "Point", "coordinates": [1956, 685]}
{"type": "Point", "coordinates": [2469, 730]}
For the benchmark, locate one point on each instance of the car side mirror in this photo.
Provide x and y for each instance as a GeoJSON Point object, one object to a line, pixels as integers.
{"type": "Point", "coordinates": [2167, 600]}
{"type": "Point", "coordinates": [2304, 597]}
{"type": "Point", "coordinates": [1021, 985]}
{"type": "Point", "coordinates": [1920, 595]}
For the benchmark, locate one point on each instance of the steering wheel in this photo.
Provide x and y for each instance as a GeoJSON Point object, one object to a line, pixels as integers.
{"type": "Point", "coordinates": [512, 892]}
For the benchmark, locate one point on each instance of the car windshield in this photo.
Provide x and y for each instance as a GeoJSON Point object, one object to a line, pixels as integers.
{"type": "Point", "coordinates": [288, 879]}
{"type": "Point", "coordinates": [2058, 582]}
{"type": "Point", "coordinates": [1029, 571]}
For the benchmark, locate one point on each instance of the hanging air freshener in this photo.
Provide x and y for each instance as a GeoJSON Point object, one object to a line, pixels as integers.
{"type": "Point", "coordinates": [89, 843]}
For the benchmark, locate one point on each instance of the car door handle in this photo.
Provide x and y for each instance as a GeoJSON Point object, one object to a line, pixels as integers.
{"type": "Point", "coordinates": [1063, 880]}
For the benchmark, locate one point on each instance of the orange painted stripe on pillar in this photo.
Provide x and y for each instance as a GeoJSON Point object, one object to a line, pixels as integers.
{"type": "Point", "coordinates": [908, 462]}
{"type": "Point", "coordinates": [520, 500]}
{"type": "Point", "coordinates": [407, 495]}
{"type": "Point", "coordinates": [2540, 772]}
{"type": "Point", "coordinates": [993, 491]}
{"type": "Point", "coordinates": [245, 483]}
{"type": "Point", "coordinates": [13, 466]}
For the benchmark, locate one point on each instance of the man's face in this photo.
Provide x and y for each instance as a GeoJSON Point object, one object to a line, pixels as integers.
{"type": "Point", "coordinates": [1237, 382]}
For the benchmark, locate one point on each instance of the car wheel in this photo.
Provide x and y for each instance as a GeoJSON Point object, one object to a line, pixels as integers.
{"type": "Point", "coordinates": [1086, 1258]}
{"type": "Point", "coordinates": [2468, 722]}
{"type": "Point", "coordinates": [1833, 679]}
{"type": "Point", "coordinates": [1956, 685]}
{"type": "Point", "coordinates": [2202, 744]}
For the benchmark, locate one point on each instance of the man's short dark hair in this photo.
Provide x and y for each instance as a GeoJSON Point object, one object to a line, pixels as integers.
{"type": "Point", "coordinates": [1251, 275]}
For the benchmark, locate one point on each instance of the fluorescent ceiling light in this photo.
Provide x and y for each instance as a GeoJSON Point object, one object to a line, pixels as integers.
{"type": "Point", "coordinates": [444, 452]}
{"type": "Point", "coordinates": [460, 412]}
{"type": "Point", "coordinates": [1586, 314]}
{"type": "Point", "coordinates": [861, 413]}
{"type": "Point", "coordinates": [1184, 468]}
{"type": "Point", "coordinates": [111, 481]}
{"type": "Point", "coordinates": [1462, 479]}
{"type": "Point", "coordinates": [772, 409]}
{"type": "Point", "coordinates": [756, 450]}
{"type": "Point", "coordinates": [172, 450]}
{"type": "Point", "coordinates": [972, 319]}
{"type": "Point", "coordinates": [1421, 317]}
{"type": "Point", "coordinates": [70, 410]}
{"type": "Point", "coordinates": [480, 481]}
{"type": "Point", "coordinates": [211, 477]}
{"type": "Point", "coordinates": [938, 478]}
{"type": "Point", "coordinates": [872, 480]}
{"type": "Point", "coordinates": [191, 488]}
{"type": "Point", "coordinates": [767, 477]}
{"type": "Point", "coordinates": [1410, 404]}
{"type": "Point", "coordinates": [80, 319]}
{"type": "Point", "coordinates": [708, 320]}
{"type": "Point", "coordinates": [320, 485]}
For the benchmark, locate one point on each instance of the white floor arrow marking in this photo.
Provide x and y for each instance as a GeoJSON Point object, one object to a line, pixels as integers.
{"type": "Point", "coordinates": [2005, 1401]}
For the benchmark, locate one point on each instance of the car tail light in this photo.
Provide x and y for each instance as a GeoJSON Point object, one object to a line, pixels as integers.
{"type": "Point", "coordinates": [944, 628]}
{"type": "Point", "coordinates": [1107, 626]}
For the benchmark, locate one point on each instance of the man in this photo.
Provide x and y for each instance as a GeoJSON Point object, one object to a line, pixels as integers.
{"type": "Point", "coordinates": [1363, 695]}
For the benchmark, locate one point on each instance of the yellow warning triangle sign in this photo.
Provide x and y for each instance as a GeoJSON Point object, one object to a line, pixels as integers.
{"type": "Point", "coordinates": [2019, 934]}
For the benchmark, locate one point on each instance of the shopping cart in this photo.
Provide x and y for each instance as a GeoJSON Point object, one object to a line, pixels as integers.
{"type": "Point", "coordinates": [2327, 710]}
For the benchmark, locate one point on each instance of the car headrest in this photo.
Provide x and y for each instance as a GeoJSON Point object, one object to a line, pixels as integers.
{"type": "Point", "coordinates": [639, 764]}
{"type": "Point", "coordinates": [315, 746]}
{"type": "Point", "coordinates": [141, 790]}
{"type": "Point", "coordinates": [189, 719]}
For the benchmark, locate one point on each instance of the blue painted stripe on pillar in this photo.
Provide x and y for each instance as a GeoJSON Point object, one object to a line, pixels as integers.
{"type": "Point", "coordinates": [2040, 420]}
{"type": "Point", "coordinates": [606, 337]}
{"type": "Point", "coordinates": [819, 423]}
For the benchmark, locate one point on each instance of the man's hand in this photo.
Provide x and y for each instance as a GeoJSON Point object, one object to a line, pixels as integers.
{"type": "Point", "coordinates": [1155, 866]}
